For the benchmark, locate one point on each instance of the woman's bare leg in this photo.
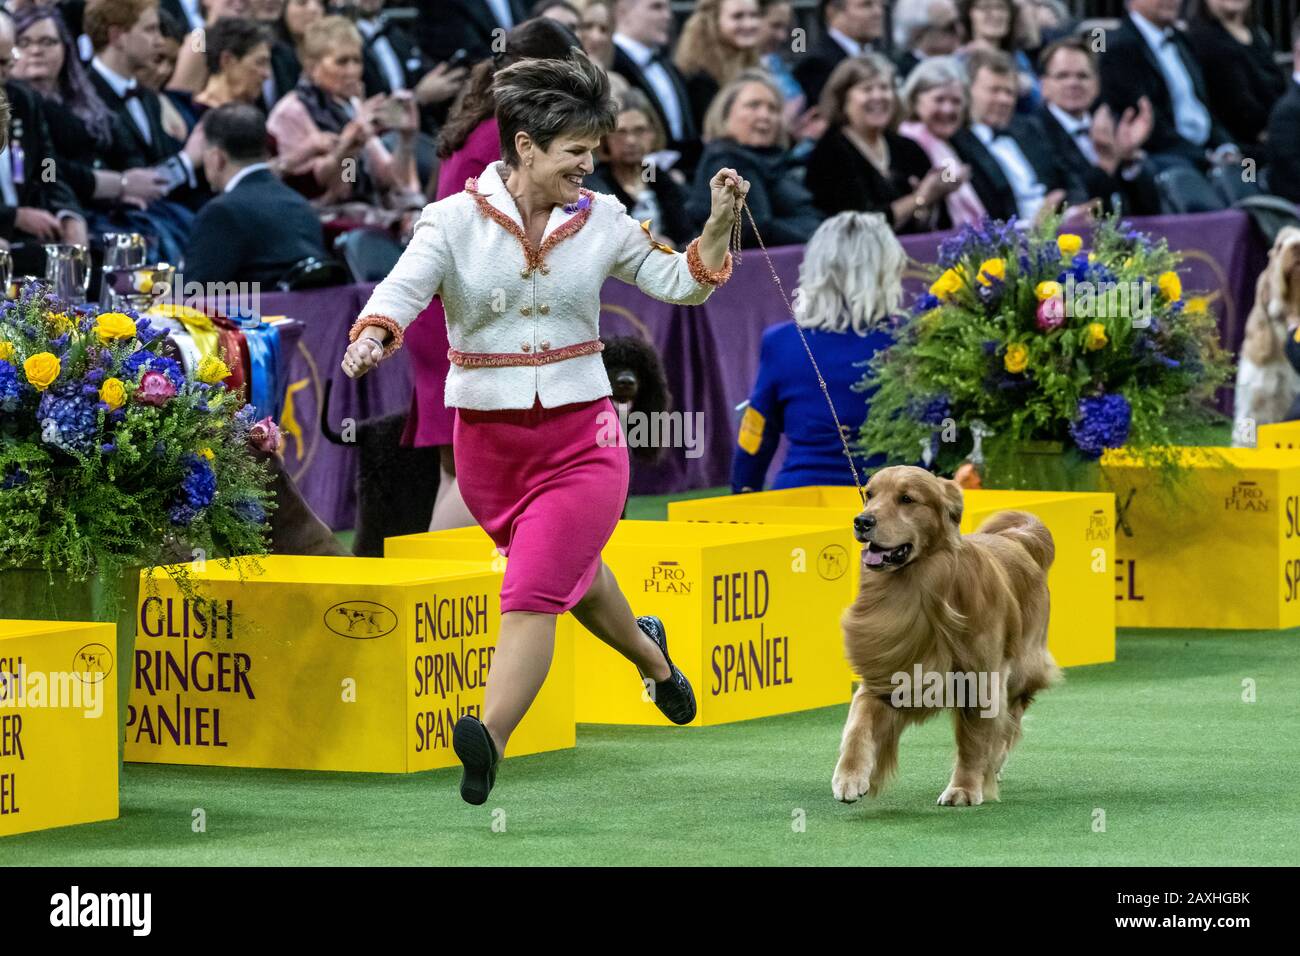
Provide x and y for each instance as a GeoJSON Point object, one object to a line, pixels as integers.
{"type": "Point", "coordinates": [523, 655]}
{"type": "Point", "coordinates": [605, 612]}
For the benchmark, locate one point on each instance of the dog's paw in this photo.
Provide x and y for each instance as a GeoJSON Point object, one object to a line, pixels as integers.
{"type": "Point", "coordinates": [849, 784]}
{"type": "Point", "coordinates": [960, 797]}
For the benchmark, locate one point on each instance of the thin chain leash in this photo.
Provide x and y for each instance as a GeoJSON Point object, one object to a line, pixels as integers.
{"type": "Point", "coordinates": [736, 228]}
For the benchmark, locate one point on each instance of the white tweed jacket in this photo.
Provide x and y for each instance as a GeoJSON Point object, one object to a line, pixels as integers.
{"type": "Point", "coordinates": [508, 302]}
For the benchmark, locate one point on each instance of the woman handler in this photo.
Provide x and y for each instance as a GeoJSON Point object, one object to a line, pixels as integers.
{"type": "Point", "coordinates": [519, 258]}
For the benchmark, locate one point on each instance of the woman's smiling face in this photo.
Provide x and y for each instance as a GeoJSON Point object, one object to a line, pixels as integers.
{"type": "Point", "coordinates": [557, 172]}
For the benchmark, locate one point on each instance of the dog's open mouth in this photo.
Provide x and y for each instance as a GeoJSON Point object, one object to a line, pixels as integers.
{"type": "Point", "coordinates": [877, 557]}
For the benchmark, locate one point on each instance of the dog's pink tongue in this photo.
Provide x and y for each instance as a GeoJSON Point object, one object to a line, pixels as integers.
{"type": "Point", "coordinates": [873, 557]}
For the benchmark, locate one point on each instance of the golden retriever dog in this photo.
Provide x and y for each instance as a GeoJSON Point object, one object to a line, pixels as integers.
{"type": "Point", "coordinates": [960, 611]}
{"type": "Point", "coordinates": [1266, 382]}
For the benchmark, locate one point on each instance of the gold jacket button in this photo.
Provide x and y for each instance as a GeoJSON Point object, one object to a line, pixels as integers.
{"type": "Point", "coordinates": [546, 346]}
{"type": "Point", "coordinates": [546, 270]}
{"type": "Point", "coordinates": [526, 346]}
{"type": "Point", "coordinates": [525, 274]}
{"type": "Point", "coordinates": [544, 309]}
{"type": "Point", "coordinates": [525, 310]}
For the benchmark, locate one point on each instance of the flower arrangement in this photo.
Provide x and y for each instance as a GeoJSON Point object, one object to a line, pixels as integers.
{"type": "Point", "coordinates": [1028, 337]}
{"type": "Point", "coordinates": [111, 458]}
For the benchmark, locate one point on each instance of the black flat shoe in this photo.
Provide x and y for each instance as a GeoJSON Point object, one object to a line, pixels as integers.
{"type": "Point", "coordinates": [473, 745]}
{"type": "Point", "coordinates": [674, 696]}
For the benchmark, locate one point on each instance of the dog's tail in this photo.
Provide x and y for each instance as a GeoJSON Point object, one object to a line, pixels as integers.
{"type": "Point", "coordinates": [1023, 527]}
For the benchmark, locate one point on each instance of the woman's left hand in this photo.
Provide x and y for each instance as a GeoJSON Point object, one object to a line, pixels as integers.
{"type": "Point", "coordinates": [725, 186]}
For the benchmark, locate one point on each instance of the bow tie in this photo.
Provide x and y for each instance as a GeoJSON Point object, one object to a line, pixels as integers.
{"type": "Point", "coordinates": [658, 56]}
{"type": "Point", "coordinates": [132, 92]}
{"type": "Point", "coordinates": [995, 133]}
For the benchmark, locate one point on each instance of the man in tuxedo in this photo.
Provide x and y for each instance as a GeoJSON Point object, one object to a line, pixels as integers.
{"type": "Point", "coordinates": [256, 227]}
{"type": "Point", "coordinates": [642, 57]}
{"type": "Point", "coordinates": [1102, 152]}
{"type": "Point", "coordinates": [393, 61]}
{"type": "Point", "coordinates": [1147, 56]}
{"type": "Point", "coordinates": [1013, 170]}
{"type": "Point", "coordinates": [922, 29]}
{"type": "Point", "coordinates": [849, 27]}
{"type": "Point", "coordinates": [1284, 131]}
{"type": "Point", "coordinates": [34, 207]}
{"type": "Point", "coordinates": [446, 26]}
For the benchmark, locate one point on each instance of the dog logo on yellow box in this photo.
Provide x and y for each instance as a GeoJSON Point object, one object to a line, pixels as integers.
{"type": "Point", "coordinates": [92, 663]}
{"type": "Point", "coordinates": [362, 620]}
{"type": "Point", "coordinates": [833, 562]}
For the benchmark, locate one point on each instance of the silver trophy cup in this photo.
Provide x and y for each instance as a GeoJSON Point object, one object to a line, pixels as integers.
{"type": "Point", "coordinates": [122, 250]}
{"type": "Point", "coordinates": [67, 270]}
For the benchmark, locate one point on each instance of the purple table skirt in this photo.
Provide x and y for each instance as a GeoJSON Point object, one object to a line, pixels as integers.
{"type": "Point", "coordinates": [710, 351]}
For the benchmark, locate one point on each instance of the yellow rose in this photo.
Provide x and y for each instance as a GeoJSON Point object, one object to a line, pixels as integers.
{"type": "Point", "coordinates": [1016, 359]}
{"type": "Point", "coordinates": [1069, 243]}
{"type": "Point", "coordinates": [113, 393]}
{"type": "Point", "coordinates": [213, 370]}
{"type": "Point", "coordinates": [1196, 306]}
{"type": "Point", "coordinates": [1170, 286]}
{"type": "Point", "coordinates": [207, 453]}
{"type": "Point", "coordinates": [114, 325]}
{"type": "Point", "coordinates": [1047, 290]}
{"type": "Point", "coordinates": [993, 269]}
{"type": "Point", "coordinates": [1095, 337]}
{"type": "Point", "coordinates": [946, 285]}
{"type": "Point", "coordinates": [7, 351]}
{"type": "Point", "coordinates": [42, 369]}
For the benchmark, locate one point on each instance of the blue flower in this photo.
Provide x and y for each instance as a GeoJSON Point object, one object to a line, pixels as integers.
{"type": "Point", "coordinates": [250, 510]}
{"type": "Point", "coordinates": [581, 204]}
{"type": "Point", "coordinates": [14, 479]}
{"type": "Point", "coordinates": [925, 303]}
{"type": "Point", "coordinates": [200, 485]}
{"type": "Point", "coordinates": [67, 420]}
{"type": "Point", "coordinates": [11, 387]}
{"type": "Point", "coordinates": [1103, 422]}
{"type": "Point", "coordinates": [142, 359]}
{"type": "Point", "coordinates": [934, 411]}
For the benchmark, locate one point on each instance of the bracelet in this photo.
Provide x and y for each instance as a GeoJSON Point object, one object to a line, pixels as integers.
{"type": "Point", "coordinates": [384, 322]}
{"type": "Point", "coordinates": [701, 273]}
{"type": "Point", "coordinates": [121, 186]}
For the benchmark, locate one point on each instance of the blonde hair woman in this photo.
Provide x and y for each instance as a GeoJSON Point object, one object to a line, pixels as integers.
{"type": "Point", "coordinates": [719, 40]}
{"type": "Point", "coordinates": [326, 107]}
{"type": "Point", "coordinates": [850, 284]}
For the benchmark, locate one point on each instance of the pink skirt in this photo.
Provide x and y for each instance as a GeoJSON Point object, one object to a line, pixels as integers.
{"type": "Point", "coordinates": [547, 493]}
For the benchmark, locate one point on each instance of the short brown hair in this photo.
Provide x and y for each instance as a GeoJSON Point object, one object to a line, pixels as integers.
{"type": "Point", "coordinates": [549, 98]}
{"type": "Point", "coordinates": [103, 15]}
{"type": "Point", "coordinates": [1074, 45]}
{"type": "Point", "coordinates": [995, 61]}
{"type": "Point", "coordinates": [848, 74]}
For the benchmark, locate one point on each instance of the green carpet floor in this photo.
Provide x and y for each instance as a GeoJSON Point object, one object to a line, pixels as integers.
{"type": "Point", "coordinates": [1160, 742]}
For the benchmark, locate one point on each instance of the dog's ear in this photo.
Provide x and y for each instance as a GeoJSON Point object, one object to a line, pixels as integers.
{"type": "Point", "coordinates": [953, 503]}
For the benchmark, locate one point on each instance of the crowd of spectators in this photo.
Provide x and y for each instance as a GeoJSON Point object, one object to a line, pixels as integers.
{"type": "Point", "coordinates": [241, 136]}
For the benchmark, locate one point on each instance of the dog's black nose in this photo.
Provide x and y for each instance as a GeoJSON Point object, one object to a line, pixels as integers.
{"type": "Point", "coordinates": [864, 523]}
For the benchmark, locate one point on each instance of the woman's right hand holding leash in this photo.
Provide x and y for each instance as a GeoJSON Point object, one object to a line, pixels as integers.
{"type": "Point", "coordinates": [365, 353]}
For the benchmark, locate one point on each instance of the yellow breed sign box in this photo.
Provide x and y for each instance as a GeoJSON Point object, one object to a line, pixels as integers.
{"type": "Point", "coordinates": [58, 724]}
{"type": "Point", "coordinates": [1221, 551]}
{"type": "Point", "coordinates": [1082, 626]}
{"type": "Point", "coordinates": [327, 664]}
{"type": "Point", "coordinates": [752, 615]}
{"type": "Point", "coordinates": [1283, 436]}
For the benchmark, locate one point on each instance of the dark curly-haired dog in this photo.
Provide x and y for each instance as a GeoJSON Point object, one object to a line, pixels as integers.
{"type": "Point", "coordinates": [636, 375]}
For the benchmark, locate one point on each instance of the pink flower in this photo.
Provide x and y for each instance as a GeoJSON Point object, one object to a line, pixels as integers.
{"type": "Point", "coordinates": [1051, 314]}
{"type": "Point", "coordinates": [155, 389]}
{"type": "Point", "coordinates": [265, 435]}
